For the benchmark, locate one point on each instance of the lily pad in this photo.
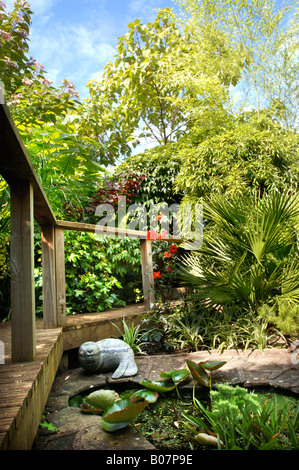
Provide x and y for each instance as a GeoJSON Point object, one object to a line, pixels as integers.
{"type": "Point", "coordinates": [159, 386]}
{"type": "Point", "coordinates": [123, 412]}
{"type": "Point", "coordinates": [198, 373]}
{"type": "Point", "coordinates": [211, 365]}
{"type": "Point", "coordinates": [150, 396]}
{"type": "Point", "coordinates": [177, 375]}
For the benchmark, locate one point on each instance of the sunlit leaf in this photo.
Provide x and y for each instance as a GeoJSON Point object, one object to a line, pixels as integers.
{"type": "Point", "coordinates": [211, 365]}
{"type": "Point", "coordinates": [150, 396]}
{"type": "Point", "coordinates": [177, 376]}
{"type": "Point", "coordinates": [121, 414]}
{"type": "Point", "coordinates": [159, 386]}
{"type": "Point", "coordinates": [198, 373]}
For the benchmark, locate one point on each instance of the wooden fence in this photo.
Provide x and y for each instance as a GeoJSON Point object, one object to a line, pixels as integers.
{"type": "Point", "coordinates": [29, 202]}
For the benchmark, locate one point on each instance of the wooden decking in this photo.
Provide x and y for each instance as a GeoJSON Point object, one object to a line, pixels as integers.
{"type": "Point", "coordinates": [25, 386]}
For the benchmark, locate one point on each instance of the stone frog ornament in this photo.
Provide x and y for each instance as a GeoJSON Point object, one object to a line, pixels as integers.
{"type": "Point", "coordinates": [108, 355]}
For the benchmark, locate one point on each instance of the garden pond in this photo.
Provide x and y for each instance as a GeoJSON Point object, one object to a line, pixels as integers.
{"type": "Point", "coordinates": [178, 420]}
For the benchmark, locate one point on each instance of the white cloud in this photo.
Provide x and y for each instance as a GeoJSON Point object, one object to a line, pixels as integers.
{"type": "Point", "coordinates": [146, 9]}
{"type": "Point", "coordinates": [40, 7]}
{"type": "Point", "coordinates": [74, 52]}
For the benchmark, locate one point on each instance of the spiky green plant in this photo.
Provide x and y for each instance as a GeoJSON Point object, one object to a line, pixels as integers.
{"type": "Point", "coordinates": [250, 251]}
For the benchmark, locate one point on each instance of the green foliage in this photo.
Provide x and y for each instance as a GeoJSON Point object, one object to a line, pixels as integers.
{"type": "Point", "coordinates": [67, 166]}
{"type": "Point", "coordinates": [100, 274]}
{"type": "Point", "coordinates": [249, 255]}
{"type": "Point", "coordinates": [123, 412]}
{"type": "Point", "coordinates": [134, 92]}
{"type": "Point", "coordinates": [265, 37]}
{"type": "Point", "coordinates": [94, 275]}
{"type": "Point", "coordinates": [173, 379]}
{"type": "Point", "coordinates": [132, 336]}
{"type": "Point", "coordinates": [49, 426]}
{"type": "Point", "coordinates": [242, 421]}
{"type": "Point", "coordinates": [14, 63]}
{"type": "Point", "coordinates": [160, 167]}
{"type": "Point", "coordinates": [284, 315]}
{"type": "Point", "coordinates": [193, 327]}
{"type": "Point", "coordinates": [249, 154]}
{"type": "Point", "coordinates": [24, 78]}
{"type": "Point", "coordinates": [102, 399]}
{"type": "Point", "coordinates": [200, 371]}
{"type": "Point", "coordinates": [159, 85]}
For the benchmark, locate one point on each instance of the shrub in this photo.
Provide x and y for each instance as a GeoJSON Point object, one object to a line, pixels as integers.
{"type": "Point", "coordinates": [100, 274]}
{"type": "Point", "coordinates": [249, 255]}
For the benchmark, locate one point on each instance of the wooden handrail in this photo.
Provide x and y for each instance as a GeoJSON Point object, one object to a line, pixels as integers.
{"type": "Point", "coordinates": [120, 232]}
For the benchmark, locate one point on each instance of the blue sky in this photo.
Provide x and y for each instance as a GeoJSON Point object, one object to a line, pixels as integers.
{"type": "Point", "coordinates": [74, 39]}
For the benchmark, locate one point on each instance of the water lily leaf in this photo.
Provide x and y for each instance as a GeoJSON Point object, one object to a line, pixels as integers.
{"type": "Point", "coordinates": [177, 376]}
{"type": "Point", "coordinates": [150, 396]}
{"type": "Point", "coordinates": [198, 373]}
{"type": "Point", "coordinates": [113, 427]}
{"type": "Point", "coordinates": [86, 408]}
{"type": "Point", "coordinates": [211, 365]}
{"type": "Point", "coordinates": [121, 414]}
{"type": "Point", "coordinates": [157, 386]}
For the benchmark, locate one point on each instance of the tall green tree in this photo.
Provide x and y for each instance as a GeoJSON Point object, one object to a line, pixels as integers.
{"type": "Point", "coordinates": [161, 81]}
{"type": "Point", "coordinates": [267, 35]}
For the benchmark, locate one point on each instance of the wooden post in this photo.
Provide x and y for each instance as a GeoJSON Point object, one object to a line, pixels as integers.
{"type": "Point", "coordinates": [22, 273]}
{"type": "Point", "coordinates": [147, 273]}
{"type": "Point", "coordinates": [60, 276]}
{"type": "Point", "coordinates": [49, 284]}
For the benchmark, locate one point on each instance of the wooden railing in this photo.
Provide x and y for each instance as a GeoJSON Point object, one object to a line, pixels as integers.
{"type": "Point", "coordinates": [29, 202]}
{"type": "Point", "coordinates": [54, 297]}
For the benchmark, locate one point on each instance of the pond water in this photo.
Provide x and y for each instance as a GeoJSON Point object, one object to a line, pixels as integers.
{"type": "Point", "coordinates": [161, 423]}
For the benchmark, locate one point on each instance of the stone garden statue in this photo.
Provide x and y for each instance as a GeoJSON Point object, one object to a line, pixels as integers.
{"type": "Point", "coordinates": [108, 355]}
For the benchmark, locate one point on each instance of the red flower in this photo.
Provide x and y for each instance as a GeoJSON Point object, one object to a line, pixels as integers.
{"type": "Point", "coordinates": [173, 248]}
{"type": "Point", "coordinates": [167, 254]}
{"type": "Point", "coordinates": [157, 274]}
{"type": "Point", "coordinates": [169, 268]}
{"type": "Point", "coordinates": [151, 235]}
{"type": "Point", "coordinates": [159, 217]}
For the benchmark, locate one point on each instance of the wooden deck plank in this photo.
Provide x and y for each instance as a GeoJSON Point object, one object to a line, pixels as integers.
{"type": "Point", "coordinates": [24, 387]}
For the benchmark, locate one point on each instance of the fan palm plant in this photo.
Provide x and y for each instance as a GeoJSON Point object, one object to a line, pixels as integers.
{"type": "Point", "coordinates": [250, 251]}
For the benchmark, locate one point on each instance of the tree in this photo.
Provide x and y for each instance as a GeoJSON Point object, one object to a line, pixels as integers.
{"type": "Point", "coordinates": [249, 153]}
{"type": "Point", "coordinates": [149, 91]}
{"type": "Point", "coordinates": [24, 79]}
{"type": "Point", "coordinates": [14, 31]}
{"type": "Point", "coordinates": [267, 36]}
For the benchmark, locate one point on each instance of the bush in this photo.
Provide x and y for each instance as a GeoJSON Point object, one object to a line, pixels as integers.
{"type": "Point", "coordinates": [100, 274]}
{"type": "Point", "coordinates": [284, 315]}
{"type": "Point", "coordinates": [249, 255]}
